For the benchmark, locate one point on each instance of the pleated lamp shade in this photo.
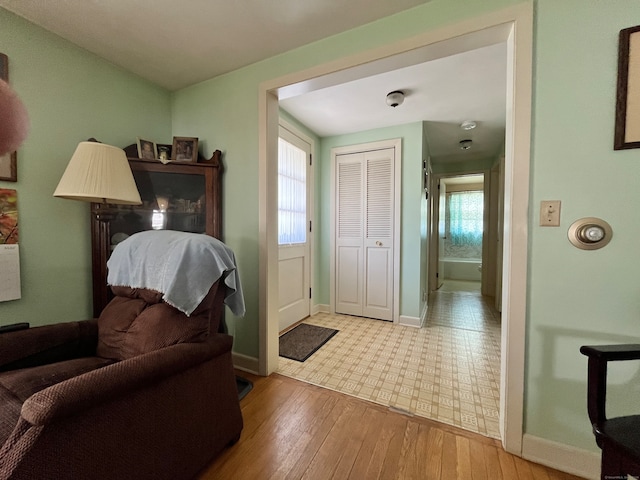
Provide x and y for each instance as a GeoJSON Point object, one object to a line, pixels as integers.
{"type": "Point", "coordinates": [99, 173]}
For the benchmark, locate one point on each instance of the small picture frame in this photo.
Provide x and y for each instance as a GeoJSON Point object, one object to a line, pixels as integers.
{"type": "Point", "coordinates": [164, 152]}
{"type": "Point", "coordinates": [8, 167]}
{"type": "Point", "coordinates": [8, 161]}
{"type": "Point", "coordinates": [147, 149]}
{"type": "Point", "coordinates": [4, 67]}
{"type": "Point", "coordinates": [627, 127]}
{"type": "Point", "coordinates": [185, 149]}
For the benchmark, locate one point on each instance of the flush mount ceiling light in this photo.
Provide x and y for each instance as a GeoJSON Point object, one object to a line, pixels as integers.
{"type": "Point", "coordinates": [395, 98]}
{"type": "Point", "coordinates": [468, 125]}
{"type": "Point", "coordinates": [465, 144]}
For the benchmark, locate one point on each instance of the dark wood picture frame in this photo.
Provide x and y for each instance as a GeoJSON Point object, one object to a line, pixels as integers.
{"type": "Point", "coordinates": [627, 128]}
{"type": "Point", "coordinates": [9, 161]}
{"type": "Point", "coordinates": [185, 149]}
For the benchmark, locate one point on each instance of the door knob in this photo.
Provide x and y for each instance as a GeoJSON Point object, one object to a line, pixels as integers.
{"type": "Point", "coordinates": [378, 243]}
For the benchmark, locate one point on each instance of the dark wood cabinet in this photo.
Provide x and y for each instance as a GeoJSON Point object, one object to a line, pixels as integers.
{"type": "Point", "coordinates": [176, 196]}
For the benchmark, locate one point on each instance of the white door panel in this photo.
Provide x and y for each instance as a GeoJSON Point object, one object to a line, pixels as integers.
{"type": "Point", "coordinates": [379, 291]}
{"type": "Point", "coordinates": [348, 282]}
{"type": "Point", "coordinates": [292, 272]}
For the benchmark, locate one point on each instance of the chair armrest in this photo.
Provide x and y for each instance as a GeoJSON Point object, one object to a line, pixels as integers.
{"type": "Point", "coordinates": [599, 356]}
{"type": "Point", "coordinates": [47, 344]}
{"type": "Point", "coordinates": [122, 378]}
{"type": "Point", "coordinates": [612, 352]}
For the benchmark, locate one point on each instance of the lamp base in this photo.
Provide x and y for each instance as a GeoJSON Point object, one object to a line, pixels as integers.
{"type": "Point", "coordinates": [102, 212]}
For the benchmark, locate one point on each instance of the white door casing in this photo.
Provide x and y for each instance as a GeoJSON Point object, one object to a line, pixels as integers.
{"type": "Point", "coordinates": [442, 217]}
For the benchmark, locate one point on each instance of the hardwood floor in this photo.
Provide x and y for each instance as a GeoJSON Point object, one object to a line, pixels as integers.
{"type": "Point", "coordinates": [294, 430]}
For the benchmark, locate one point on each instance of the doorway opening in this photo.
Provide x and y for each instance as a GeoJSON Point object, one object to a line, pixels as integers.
{"type": "Point", "coordinates": [514, 25]}
{"type": "Point", "coordinates": [462, 217]}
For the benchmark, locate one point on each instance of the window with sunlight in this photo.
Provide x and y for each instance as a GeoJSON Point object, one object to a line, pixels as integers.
{"type": "Point", "coordinates": [464, 224]}
{"type": "Point", "coordinates": [292, 194]}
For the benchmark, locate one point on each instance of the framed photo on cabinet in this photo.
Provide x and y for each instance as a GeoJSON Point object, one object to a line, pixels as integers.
{"type": "Point", "coordinates": [147, 149]}
{"type": "Point", "coordinates": [185, 149]}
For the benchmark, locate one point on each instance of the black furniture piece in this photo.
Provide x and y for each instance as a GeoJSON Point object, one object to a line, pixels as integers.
{"type": "Point", "coordinates": [14, 327]}
{"type": "Point", "coordinates": [619, 438]}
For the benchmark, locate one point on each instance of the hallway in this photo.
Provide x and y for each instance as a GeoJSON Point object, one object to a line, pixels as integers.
{"type": "Point", "coordinates": [448, 371]}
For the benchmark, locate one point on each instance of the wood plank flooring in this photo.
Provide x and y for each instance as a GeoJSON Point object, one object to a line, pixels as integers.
{"type": "Point", "coordinates": [294, 430]}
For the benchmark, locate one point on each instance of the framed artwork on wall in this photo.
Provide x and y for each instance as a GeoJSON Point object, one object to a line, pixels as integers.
{"type": "Point", "coordinates": [9, 161]}
{"type": "Point", "coordinates": [627, 128]}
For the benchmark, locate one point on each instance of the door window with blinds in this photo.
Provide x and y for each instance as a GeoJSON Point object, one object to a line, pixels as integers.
{"type": "Point", "coordinates": [292, 194]}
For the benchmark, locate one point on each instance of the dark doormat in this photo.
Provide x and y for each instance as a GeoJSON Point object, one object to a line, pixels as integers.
{"type": "Point", "coordinates": [304, 340]}
{"type": "Point", "coordinates": [244, 386]}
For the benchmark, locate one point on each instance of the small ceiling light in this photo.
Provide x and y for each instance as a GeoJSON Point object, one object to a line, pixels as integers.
{"type": "Point", "coordinates": [465, 144]}
{"type": "Point", "coordinates": [468, 125]}
{"type": "Point", "coordinates": [395, 98]}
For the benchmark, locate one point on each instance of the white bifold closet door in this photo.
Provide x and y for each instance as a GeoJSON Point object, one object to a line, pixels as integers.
{"type": "Point", "coordinates": [364, 233]}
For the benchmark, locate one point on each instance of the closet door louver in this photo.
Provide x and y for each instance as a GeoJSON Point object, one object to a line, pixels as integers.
{"type": "Point", "coordinates": [349, 241]}
{"type": "Point", "coordinates": [378, 241]}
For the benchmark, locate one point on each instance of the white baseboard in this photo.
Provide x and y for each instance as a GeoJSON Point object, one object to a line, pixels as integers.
{"type": "Point", "coordinates": [565, 458]}
{"type": "Point", "coordinates": [245, 363]}
{"type": "Point", "coordinates": [320, 308]}
{"type": "Point", "coordinates": [410, 321]}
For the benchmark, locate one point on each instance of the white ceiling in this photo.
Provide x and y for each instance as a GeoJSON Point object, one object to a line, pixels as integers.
{"type": "Point", "coordinates": [442, 92]}
{"type": "Point", "coordinates": [176, 44]}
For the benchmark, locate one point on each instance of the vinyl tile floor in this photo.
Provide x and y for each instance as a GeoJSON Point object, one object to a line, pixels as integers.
{"type": "Point", "coordinates": [448, 370]}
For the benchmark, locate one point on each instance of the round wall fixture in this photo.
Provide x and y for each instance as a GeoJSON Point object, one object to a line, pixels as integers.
{"type": "Point", "coordinates": [395, 98]}
{"type": "Point", "coordinates": [590, 233]}
{"type": "Point", "coordinates": [466, 144]}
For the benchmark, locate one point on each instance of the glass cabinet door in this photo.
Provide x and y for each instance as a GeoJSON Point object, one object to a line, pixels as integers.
{"type": "Point", "coordinates": [170, 201]}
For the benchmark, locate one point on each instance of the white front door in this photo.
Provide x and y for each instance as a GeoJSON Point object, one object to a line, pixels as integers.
{"type": "Point", "coordinates": [294, 168]}
{"type": "Point", "coordinates": [365, 233]}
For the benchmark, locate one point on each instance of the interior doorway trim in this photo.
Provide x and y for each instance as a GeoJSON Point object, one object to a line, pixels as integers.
{"type": "Point", "coordinates": [515, 26]}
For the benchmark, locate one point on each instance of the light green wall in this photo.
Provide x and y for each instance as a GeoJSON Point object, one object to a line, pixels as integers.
{"type": "Point", "coordinates": [411, 135]}
{"type": "Point", "coordinates": [578, 297]}
{"type": "Point", "coordinates": [70, 95]}
{"type": "Point", "coordinates": [570, 291]}
{"type": "Point", "coordinates": [574, 296]}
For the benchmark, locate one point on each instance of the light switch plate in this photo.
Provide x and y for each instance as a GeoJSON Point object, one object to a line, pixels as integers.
{"type": "Point", "coordinates": [550, 213]}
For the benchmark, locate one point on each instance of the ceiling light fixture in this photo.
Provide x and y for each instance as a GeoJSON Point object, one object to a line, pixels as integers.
{"type": "Point", "coordinates": [468, 125]}
{"type": "Point", "coordinates": [465, 144]}
{"type": "Point", "coordinates": [395, 98]}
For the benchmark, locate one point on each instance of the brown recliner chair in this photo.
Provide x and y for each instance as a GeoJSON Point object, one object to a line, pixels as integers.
{"type": "Point", "coordinates": [143, 392]}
